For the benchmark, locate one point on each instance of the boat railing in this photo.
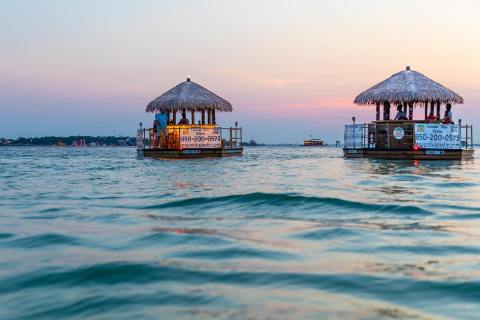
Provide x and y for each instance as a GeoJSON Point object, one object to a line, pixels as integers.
{"type": "Point", "coordinates": [231, 137]}
{"type": "Point", "coordinates": [401, 135]}
{"type": "Point", "coordinates": [173, 138]}
{"type": "Point", "coordinates": [467, 139]}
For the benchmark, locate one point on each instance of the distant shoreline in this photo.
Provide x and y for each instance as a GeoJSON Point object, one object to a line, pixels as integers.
{"type": "Point", "coordinates": [70, 141]}
{"type": "Point", "coordinates": [101, 141]}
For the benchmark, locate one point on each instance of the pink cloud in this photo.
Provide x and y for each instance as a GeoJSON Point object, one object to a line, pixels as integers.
{"type": "Point", "coordinates": [310, 106]}
{"type": "Point", "coordinates": [257, 80]}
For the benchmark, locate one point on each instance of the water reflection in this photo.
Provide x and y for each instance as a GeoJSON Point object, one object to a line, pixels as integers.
{"type": "Point", "coordinates": [393, 167]}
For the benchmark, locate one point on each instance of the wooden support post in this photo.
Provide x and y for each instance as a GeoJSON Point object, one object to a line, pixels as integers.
{"type": "Point", "coordinates": [193, 117]}
{"type": "Point", "coordinates": [466, 136]}
{"type": "Point", "coordinates": [230, 137]}
{"type": "Point", "coordinates": [365, 136]}
{"type": "Point", "coordinates": [471, 136]}
{"type": "Point", "coordinates": [214, 121]}
{"type": "Point", "coordinates": [410, 111]}
{"type": "Point", "coordinates": [388, 135]}
{"type": "Point", "coordinates": [175, 117]}
{"type": "Point", "coordinates": [438, 110]}
{"type": "Point", "coordinates": [209, 115]}
{"type": "Point", "coordinates": [405, 107]}
{"type": "Point", "coordinates": [378, 112]}
{"type": "Point", "coordinates": [386, 111]}
{"type": "Point", "coordinates": [203, 116]}
{"type": "Point", "coordinates": [168, 116]}
{"type": "Point", "coordinates": [426, 110]}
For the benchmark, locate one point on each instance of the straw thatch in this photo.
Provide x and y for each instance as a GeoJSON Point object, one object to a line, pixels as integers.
{"type": "Point", "coordinates": [408, 86]}
{"type": "Point", "coordinates": [190, 96]}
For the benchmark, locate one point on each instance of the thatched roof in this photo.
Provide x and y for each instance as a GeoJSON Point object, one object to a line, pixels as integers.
{"type": "Point", "coordinates": [190, 96]}
{"type": "Point", "coordinates": [408, 86]}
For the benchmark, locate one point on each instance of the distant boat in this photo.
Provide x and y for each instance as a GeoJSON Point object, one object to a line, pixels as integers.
{"type": "Point", "coordinates": [313, 142]}
{"type": "Point", "coordinates": [79, 143]}
{"type": "Point", "coordinates": [252, 143]}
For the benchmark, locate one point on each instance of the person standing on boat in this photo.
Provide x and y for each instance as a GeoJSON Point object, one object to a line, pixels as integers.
{"type": "Point", "coordinates": [161, 129]}
{"type": "Point", "coordinates": [448, 119]}
{"type": "Point", "coordinates": [155, 132]}
{"type": "Point", "coordinates": [184, 119]}
{"type": "Point", "coordinates": [401, 115]}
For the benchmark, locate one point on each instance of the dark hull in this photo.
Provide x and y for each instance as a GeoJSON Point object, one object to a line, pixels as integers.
{"type": "Point", "coordinates": [409, 154]}
{"type": "Point", "coordinates": [191, 153]}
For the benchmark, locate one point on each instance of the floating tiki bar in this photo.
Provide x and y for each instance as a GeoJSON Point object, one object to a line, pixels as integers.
{"type": "Point", "coordinates": [175, 136]}
{"type": "Point", "coordinates": [395, 134]}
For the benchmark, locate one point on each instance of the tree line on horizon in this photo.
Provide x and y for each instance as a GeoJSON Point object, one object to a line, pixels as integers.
{"type": "Point", "coordinates": [54, 140]}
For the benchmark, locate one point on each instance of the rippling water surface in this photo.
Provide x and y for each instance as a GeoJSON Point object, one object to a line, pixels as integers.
{"type": "Point", "coordinates": [278, 233]}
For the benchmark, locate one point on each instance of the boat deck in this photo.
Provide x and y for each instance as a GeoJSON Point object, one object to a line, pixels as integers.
{"type": "Point", "coordinates": [191, 153]}
{"type": "Point", "coordinates": [464, 154]}
{"type": "Point", "coordinates": [191, 141]}
{"type": "Point", "coordinates": [409, 139]}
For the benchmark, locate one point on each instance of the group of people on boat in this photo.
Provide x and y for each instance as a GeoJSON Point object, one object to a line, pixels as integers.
{"type": "Point", "coordinates": [431, 118]}
{"type": "Point", "coordinates": [160, 122]}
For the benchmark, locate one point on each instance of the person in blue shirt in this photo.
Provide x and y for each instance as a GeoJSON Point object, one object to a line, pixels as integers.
{"type": "Point", "coordinates": [162, 120]}
{"type": "Point", "coordinates": [160, 128]}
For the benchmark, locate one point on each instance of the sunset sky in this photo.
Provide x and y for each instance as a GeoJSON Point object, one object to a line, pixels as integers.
{"type": "Point", "coordinates": [290, 68]}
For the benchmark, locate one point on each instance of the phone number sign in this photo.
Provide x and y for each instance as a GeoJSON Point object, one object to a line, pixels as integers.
{"type": "Point", "coordinates": [438, 136]}
{"type": "Point", "coordinates": [200, 138]}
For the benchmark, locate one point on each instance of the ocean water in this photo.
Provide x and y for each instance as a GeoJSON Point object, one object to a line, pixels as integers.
{"type": "Point", "coordinates": [280, 233]}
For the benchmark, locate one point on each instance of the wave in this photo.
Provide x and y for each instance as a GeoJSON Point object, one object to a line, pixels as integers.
{"type": "Point", "coordinates": [328, 233]}
{"type": "Point", "coordinates": [455, 207]}
{"type": "Point", "coordinates": [233, 253]}
{"type": "Point", "coordinates": [6, 235]}
{"type": "Point", "coordinates": [93, 305]}
{"type": "Point", "coordinates": [436, 250]}
{"type": "Point", "coordinates": [42, 240]}
{"type": "Point", "coordinates": [124, 273]}
{"type": "Point", "coordinates": [174, 236]}
{"type": "Point", "coordinates": [456, 185]}
{"type": "Point", "coordinates": [295, 201]}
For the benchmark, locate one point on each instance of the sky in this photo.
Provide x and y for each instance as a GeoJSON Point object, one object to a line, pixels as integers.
{"type": "Point", "coordinates": [290, 68]}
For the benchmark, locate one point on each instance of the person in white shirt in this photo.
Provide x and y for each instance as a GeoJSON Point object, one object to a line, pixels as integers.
{"type": "Point", "coordinates": [448, 119]}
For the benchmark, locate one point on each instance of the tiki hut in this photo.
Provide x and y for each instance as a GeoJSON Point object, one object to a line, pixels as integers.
{"type": "Point", "coordinates": [189, 96]}
{"type": "Point", "coordinates": [407, 88]}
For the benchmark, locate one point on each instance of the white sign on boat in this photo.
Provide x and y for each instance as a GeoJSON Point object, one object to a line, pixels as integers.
{"type": "Point", "coordinates": [438, 136]}
{"type": "Point", "coordinates": [200, 138]}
